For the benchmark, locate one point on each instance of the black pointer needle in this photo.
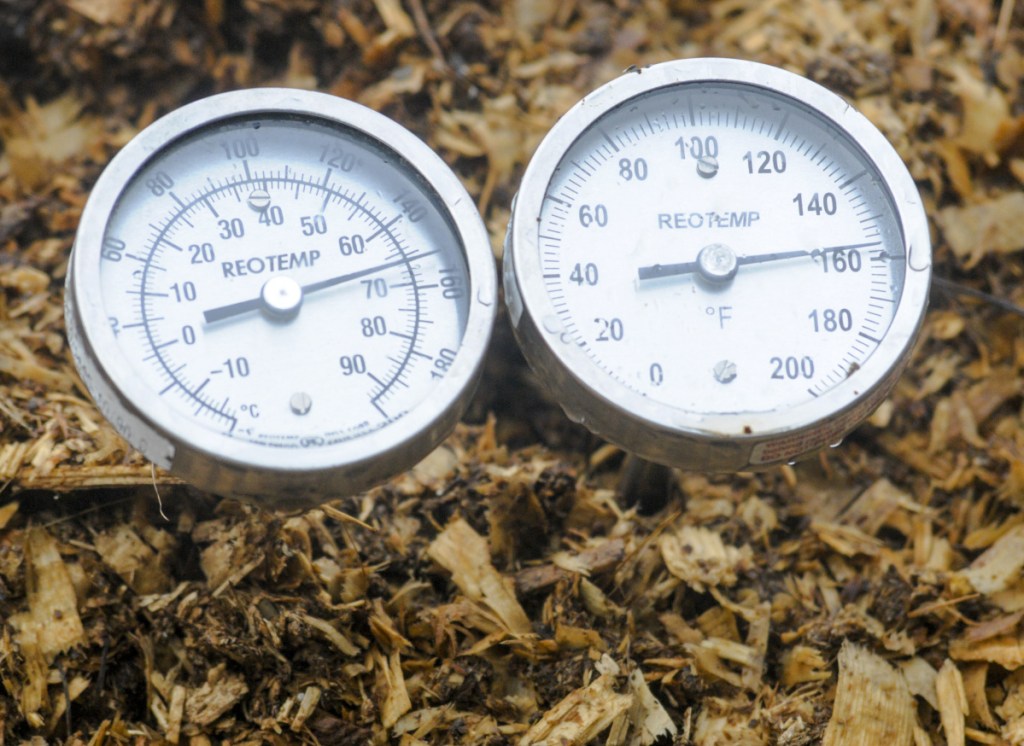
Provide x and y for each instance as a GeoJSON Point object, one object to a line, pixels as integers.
{"type": "Point", "coordinates": [234, 309]}
{"type": "Point", "coordinates": [655, 271]}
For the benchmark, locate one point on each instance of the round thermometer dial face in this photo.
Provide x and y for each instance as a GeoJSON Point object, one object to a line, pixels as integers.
{"type": "Point", "coordinates": [288, 283]}
{"type": "Point", "coordinates": [721, 261]}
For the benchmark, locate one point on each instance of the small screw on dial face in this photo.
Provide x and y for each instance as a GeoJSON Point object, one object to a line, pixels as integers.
{"type": "Point", "coordinates": [707, 166]}
{"type": "Point", "coordinates": [300, 403]}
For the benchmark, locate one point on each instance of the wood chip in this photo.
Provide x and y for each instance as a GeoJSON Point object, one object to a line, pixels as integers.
{"type": "Point", "coordinates": [592, 561]}
{"type": "Point", "coordinates": [999, 566]}
{"type": "Point", "coordinates": [873, 704]}
{"type": "Point", "coordinates": [133, 559]}
{"type": "Point", "coordinates": [464, 553]}
{"type": "Point", "coordinates": [991, 227]}
{"type": "Point", "coordinates": [310, 699]}
{"type": "Point", "coordinates": [220, 692]}
{"type": "Point", "coordinates": [700, 558]}
{"type": "Point", "coordinates": [391, 693]}
{"type": "Point", "coordinates": [953, 705]}
{"type": "Point", "coordinates": [1005, 650]}
{"type": "Point", "coordinates": [51, 624]}
{"type": "Point", "coordinates": [581, 716]}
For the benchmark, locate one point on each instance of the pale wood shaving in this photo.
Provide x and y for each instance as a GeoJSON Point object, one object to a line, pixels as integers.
{"type": "Point", "coordinates": [464, 553]}
{"type": "Point", "coordinates": [873, 704]}
{"type": "Point", "coordinates": [1000, 565]}
{"type": "Point", "coordinates": [391, 693]}
{"type": "Point", "coordinates": [52, 622]}
{"type": "Point", "coordinates": [580, 716]}
{"type": "Point", "coordinates": [975, 231]}
{"type": "Point", "coordinates": [700, 558]}
{"type": "Point", "coordinates": [953, 705]}
{"type": "Point", "coordinates": [217, 695]}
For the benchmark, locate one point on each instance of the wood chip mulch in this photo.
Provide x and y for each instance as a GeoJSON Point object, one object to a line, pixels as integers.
{"type": "Point", "coordinates": [508, 590]}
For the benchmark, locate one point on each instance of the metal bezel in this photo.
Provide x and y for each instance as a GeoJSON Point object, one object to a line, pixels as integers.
{"type": "Point", "coordinates": [653, 429]}
{"type": "Point", "coordinates": [222, 464]}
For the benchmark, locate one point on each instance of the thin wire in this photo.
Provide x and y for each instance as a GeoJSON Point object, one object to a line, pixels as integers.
{"type": "Point", "coordinates": [951, 287]}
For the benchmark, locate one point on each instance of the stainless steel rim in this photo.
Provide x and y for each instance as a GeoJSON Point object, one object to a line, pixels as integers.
{"type": "Point", "coordinates": [391, 448]}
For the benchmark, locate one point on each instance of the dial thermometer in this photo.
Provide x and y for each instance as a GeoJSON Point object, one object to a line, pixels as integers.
{"type": "Point", "coordinates": [280, 294]}
{"type": "Point", "coordinates": [717, 264]}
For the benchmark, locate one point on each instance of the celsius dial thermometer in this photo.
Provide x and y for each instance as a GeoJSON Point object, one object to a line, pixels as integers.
{"type": "Point", "coordinates": [716, 264]}
{"type": "Point", "coordinates": [280, 294]}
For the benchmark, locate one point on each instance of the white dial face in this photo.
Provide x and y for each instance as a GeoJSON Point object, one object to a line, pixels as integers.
{"type": "Point", "coordinates": [719, 248]}
{"type": "Point", "coordinates": [283, 281]}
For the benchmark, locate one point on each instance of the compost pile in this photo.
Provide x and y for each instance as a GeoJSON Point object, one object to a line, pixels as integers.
{"type": "Point", "coordinates": [508, 590]}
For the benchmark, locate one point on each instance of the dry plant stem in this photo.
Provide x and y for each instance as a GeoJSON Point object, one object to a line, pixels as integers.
{"type": "Point", "coordinates": [952, 288]}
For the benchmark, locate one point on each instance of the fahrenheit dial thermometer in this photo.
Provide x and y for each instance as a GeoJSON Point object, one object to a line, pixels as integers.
{"type": "Point", "coordinates": [717, 264]}
{"type": "Point", "coordinates": [280, 294]}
